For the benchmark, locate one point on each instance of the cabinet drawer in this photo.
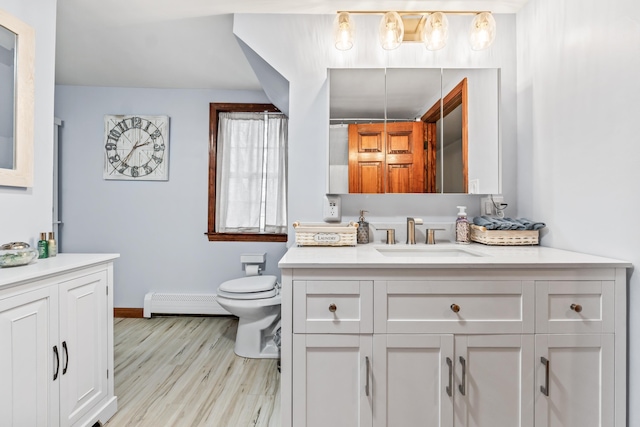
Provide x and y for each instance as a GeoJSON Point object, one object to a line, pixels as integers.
{"type": "Point", "coordinates": [344, 307]}
{"type": "Point", "coordinates": [454, 307]}
{"type": "Point", "coordinates": [575, 307]}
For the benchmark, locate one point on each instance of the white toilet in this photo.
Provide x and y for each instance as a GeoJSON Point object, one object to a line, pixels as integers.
{"type": "Point", "coordinates": [256, 301]}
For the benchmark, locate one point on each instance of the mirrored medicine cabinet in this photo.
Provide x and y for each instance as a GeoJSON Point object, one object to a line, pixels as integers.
{"type": "Point", "coordinates": [414, 130]}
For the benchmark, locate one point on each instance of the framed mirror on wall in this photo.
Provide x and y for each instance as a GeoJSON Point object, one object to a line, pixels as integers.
{"type": "Point", "coordinates": [17, 50]}
{"type": "Point", "coordinates": [438, 131]}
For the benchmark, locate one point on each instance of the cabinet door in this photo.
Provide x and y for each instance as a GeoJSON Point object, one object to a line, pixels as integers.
{"type": "Point", "coordinates": [494, 381]}
{"type": "Point", "coordinates": [28, 363]}
{"type": "Point", "coordinates": [413, 381]}
{"type": "Point", "coordinates": [83, 341]}
{"type": "Point", "coordinates": [574, 381]}
{"type": "Point", "coordinates": [332, 380]}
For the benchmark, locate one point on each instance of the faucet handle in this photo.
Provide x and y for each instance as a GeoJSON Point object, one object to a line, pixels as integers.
{"type": "Point", "coordinates": [431, 235]}
{"type": "Point", "coordinates": [391, 236]}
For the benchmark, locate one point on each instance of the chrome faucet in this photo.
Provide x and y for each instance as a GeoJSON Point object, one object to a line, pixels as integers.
{"type": "Point", "coordinates": [411, 230]}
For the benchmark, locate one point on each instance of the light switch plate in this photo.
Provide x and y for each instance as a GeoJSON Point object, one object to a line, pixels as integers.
{"type": "Point", "coordinates": [331, 208]}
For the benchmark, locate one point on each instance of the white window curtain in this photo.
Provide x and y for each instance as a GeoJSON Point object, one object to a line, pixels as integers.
{"type": "Point", "coordinates": [251, 183]}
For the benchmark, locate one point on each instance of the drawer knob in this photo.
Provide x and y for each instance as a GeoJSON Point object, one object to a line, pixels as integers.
{"type": "Point", "coordinates": [332, 308]}
{"type": "Point", "coordinates": [455, 308]}
{"type": "Point", "coordinates": [576, 307]}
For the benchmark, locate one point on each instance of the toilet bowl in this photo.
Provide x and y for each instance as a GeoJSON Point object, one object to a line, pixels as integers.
{"type": "Point", "coordinates": [256, 301]}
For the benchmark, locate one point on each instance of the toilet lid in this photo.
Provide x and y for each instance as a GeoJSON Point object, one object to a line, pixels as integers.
{"type": "Point", "coordinates": [249, 284]}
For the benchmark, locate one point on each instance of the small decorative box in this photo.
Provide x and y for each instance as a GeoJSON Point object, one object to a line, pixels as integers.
{"type": "Point", "coordinates": [326, 234]}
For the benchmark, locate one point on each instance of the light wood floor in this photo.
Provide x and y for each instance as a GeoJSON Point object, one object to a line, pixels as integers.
{"type": "Point", "coordinates": [182, 371]}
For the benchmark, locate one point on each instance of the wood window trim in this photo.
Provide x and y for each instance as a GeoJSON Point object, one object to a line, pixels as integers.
{"type": "Point", "coordinates": [457, 96]}
{"type": "Point", "coordinates": [214, 110]}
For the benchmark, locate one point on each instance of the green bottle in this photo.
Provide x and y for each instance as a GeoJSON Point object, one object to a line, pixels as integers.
{"type": "Point", "coordinates": [43, 246]}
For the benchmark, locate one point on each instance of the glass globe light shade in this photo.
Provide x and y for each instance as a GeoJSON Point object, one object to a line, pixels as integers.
{"type": "Point", "coordinates": [482, 31]}
{"type": "Point", "coordinates": [436, 31]}
{"type": "Point", "coordinates": [343, 31]}
{"type": "Point", "coordinates": [391, 30]}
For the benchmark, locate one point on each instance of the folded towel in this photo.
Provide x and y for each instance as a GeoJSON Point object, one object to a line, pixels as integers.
{"type": "Point", "coordinates": [531, 225]}
{"type": "Point", "coordinates": [491, 223]}
{"type": "Point", "coordinates": [483, 222]}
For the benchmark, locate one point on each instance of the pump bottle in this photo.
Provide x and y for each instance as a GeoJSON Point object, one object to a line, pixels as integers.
{"type": "Point", "coordinates": [363, 229]}
{"type": "Point", "coordinates": [462, 226]}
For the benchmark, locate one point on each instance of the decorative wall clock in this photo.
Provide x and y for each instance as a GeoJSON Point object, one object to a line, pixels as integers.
{"type": "Point", "coordinates": [136, 147]}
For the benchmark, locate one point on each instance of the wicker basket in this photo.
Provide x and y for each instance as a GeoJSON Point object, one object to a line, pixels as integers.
{"type": "Point", "coordinates": [503, 237]}
{"type": "Point", "coordinates": [326, 234]}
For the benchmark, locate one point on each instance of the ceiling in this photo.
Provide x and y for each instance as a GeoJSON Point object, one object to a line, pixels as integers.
{"type": "Point", "coordinates": [187, 44]}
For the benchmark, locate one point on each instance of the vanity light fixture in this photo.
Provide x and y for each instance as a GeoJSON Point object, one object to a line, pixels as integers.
{"type": "Point", "coordinates": [391, 31]}
{"type": "Point", "coordinates": [436, 31]}
{"type": "Point", "coordinates": [344, 31]}
{"type": "Point", "coordinates": [483, 31]}
{"type": "Point", "coordinates": [430, 28]}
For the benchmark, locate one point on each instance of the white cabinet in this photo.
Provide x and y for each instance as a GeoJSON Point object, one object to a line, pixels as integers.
{"type": "Point", "coordinates": [495, 381]}
{"type": "Point", "coordinates": [332, 382]}
{"type": "Point", "coordinates": [413, 380]}
{"type": "Point", "coordinates": [83, 337]}
{"type": "Point", "coordinates": [575, 378]}
{"type": "Point", "coordinates": [472, 348]}
{"type": "Point", "coordinates": [28, 324]}
{"type": "Point", "coordinates": [57, 329]}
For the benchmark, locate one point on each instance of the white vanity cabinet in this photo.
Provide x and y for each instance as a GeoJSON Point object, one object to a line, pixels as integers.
{"type": "Point", "coordinates": [384, 345]}
{"type": "Point", "coordinates": [576, 353]}
{"type": "Point", "coordinates": [56, 326]}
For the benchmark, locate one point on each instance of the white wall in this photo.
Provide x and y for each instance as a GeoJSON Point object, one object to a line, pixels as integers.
{"type": "Point", "coordinates": [302, 51]}
{"type": "Point", "coordinates": [24, 213]}
{"type": "Point", "coordinates": [578, 143]}
{"type": "Point", "coordinates": [158, 227]}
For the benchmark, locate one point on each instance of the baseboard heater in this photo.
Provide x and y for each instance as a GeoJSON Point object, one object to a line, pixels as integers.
{"type": "Point", "coordinates": [170, 303]}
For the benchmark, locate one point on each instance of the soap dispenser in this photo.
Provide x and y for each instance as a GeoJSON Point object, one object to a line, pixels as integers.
{"type": "Point", "coordinates": [363, 229]}
{"type": "Point", "coordinates": [462, 226]}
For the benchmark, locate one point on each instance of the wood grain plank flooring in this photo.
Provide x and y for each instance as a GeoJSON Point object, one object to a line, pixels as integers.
{"type": "Point", "coordinates": [182, 371]}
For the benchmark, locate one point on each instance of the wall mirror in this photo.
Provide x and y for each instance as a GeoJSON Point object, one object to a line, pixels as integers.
{"type": "Point", "coordinates": [17, 48]}
{"type": "Point", "coordinates": [414, 130]}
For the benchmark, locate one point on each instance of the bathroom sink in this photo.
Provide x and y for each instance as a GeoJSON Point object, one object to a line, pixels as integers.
{"type": "Point", "coordinates": [426, 251]}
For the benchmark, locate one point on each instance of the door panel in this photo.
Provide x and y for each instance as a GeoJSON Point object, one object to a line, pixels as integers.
{"type": "Point", "coordinates": [411, 377]}
{"type": "Point", "coordinates": [28, 361]}
{"type": "Point", "coordinates": [83, 342]}
{"type": "Point", "coordinates": [332, 380]}
{"type": "Point", "coordinates": [494, 380]}
{"type": "Point", "coordinates": [580, 385]}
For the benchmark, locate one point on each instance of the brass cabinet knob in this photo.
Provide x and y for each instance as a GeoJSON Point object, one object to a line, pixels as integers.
{"type": "Point", "coordinates": [455, 308]}
{"type": "Point", "coordinates": [332, 308]}
{"type": "Point", "coordinates": [576, 307]}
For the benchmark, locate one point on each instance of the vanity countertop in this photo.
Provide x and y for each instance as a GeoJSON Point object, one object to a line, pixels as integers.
{"type": "Point", "coordinates": [442, 255]}
{"type": "Point", "coordinates": [42, 268]}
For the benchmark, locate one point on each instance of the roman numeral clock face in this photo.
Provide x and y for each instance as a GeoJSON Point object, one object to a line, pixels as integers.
{"type": "Point", "coordinates": [136, 147]}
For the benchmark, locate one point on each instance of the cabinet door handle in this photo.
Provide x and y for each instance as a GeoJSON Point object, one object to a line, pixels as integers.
{"type": "Point", "coordinates": [366, 384]}
{"type": "Point", "coordinates": [66, 357]}
{"type": "Point", "coordinates": [333, 308]}
{"type": "Point", "coordinates": [576, 307]}
{"type": "Point", "coordinates": [462, 386]}
{"type": "Point", "coordinates": [55, 352]}
{"type": "Point", "coordinates": [450, 365]}
{"type": "Point", "coordinates": [545, 388]}
{"type": "Point", "coordinates": [455, 308]}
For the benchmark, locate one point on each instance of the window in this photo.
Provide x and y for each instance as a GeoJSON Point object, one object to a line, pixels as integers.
{"type": "Point", "coordinates": [247, 173]}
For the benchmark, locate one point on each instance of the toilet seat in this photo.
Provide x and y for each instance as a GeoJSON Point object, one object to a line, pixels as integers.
{"type": "Point", "coordinates": [248, 295]}
{"type": "Point", "coordinates": [250, 287]}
